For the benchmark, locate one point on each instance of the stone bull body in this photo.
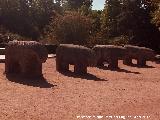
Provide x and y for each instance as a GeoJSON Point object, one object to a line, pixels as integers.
{"type": "Point", "coordinates": [25, 58]}
{"type": "Point", "coordinates": [141, 54]}
{"type": "Point", "coordinates": [79, 56]}
{"type": "Point", "coordinates": [110, 54]}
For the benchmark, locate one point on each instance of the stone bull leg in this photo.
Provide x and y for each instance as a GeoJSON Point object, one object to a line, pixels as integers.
{"type": "Point", "coordinates": [12, 67]}
{"type": "Point", "coordinates": [100, 62]}
{"type": "Point", "coordinates": [37, 72]}
{"type": "Point", "coordinates": [61, 65]}
{"type": "Point", "coordinates": [127, 61]}
{"type": "Point", "coordinates": [113, 63]}
{"type": "Point", "coordinates": [80, 69]}
{"type": "Point", "coordinates": [7, 66]}
{"type": "Point", "coordinates": [141, 62]}
{"type": "Point", "coordinates": [32, 69]}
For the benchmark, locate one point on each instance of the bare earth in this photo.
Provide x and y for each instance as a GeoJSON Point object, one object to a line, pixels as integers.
{"type": "Point", "coordinates": [130, 91]}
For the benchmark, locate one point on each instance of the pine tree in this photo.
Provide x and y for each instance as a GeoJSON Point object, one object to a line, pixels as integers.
{"type": "Point", "coordinates": [109, 17]}
{"type": "Point", "coordinates": [156, 13]}
{"type": "Point", "coordinates": [76, 4]}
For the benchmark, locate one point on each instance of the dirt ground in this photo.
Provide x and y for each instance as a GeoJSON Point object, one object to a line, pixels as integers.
{"type": "Point", "coordinates": [131, 92]}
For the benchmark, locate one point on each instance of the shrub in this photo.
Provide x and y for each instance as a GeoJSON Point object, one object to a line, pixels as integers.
{"type": "Point", "coordinates": [72, 28]}
{"type": "Point", "coordinates": [121, 40]}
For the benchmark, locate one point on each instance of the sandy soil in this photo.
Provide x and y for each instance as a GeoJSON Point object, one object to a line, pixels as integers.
{"type": "Point", "coordinates": [129, 92]}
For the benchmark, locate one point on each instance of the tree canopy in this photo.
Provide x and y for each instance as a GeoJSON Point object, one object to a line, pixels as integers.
{"type": "Point", "coordinates": [121, 22]}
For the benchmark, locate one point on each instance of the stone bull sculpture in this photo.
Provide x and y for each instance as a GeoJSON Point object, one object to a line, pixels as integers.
{"type": "Point", "coordinates": [141, 54]}
{"type": "Point", "coordinates": [25, 58]}
{"type": "Point", "coordinates": [79, 56]}
{"type": "Point", "coordinates": [110, 54]}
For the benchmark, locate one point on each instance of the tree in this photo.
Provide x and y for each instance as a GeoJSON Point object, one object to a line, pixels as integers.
{"type": "Point", "coordinates": [72, 28]}
{"type": "Point", "coordinates": [156, 13]}
{"type": "Point", "coordinates": [109, 18]}
{"type": "Point", "coordinates": [76, 4]}
{"type": "Point", "coordinates": [58, 6]}
{"type": "Point", "coordinates": [134, 21]}
{"type": "Point", "coordinates": [95, 16]}
{"type": "Point", "coordinates": [26, 17]}
{"type": "Point", "coordinates": [131, 18]}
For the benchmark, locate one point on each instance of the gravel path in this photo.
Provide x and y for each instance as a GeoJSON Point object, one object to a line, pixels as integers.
{"type": "Point", "coordinates": [128, 92]}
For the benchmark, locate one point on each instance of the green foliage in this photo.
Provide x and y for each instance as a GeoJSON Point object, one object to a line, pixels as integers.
{"type": "Point", "coordinates": [109, 19]}
{"type": "Point", "coordinates": [26, 17]}
{"type": "Point", "coordinates": [76, 4]}
{"type": "Point", "coordinates": [72, 28]}
{"type": "Point", "coordinates": [120, 41]}
{"type": "Point", "coordinates": [97, 38]}
{"type": "Point", "coordinates": [132, 19]}
{"type": "Point", "coordinates": [156, 13]}
{"type": "Point", "coordinates": [73, 21]}
{"type": "Point", "coordinates": [96, 20]}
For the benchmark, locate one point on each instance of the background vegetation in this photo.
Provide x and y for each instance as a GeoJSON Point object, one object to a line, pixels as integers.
{"type": "Point", "coordinates": [121, 22]}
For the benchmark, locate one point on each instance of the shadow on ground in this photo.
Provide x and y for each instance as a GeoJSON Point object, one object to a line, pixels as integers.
{"type": "Point", "coordinates": [86, 76]}
{"type": "Point", "coordinates": [35, 82]}
{"type": "Point", "coordinates": [146, 66]}
{"type": "Point", "coordinates": [118, 70]}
